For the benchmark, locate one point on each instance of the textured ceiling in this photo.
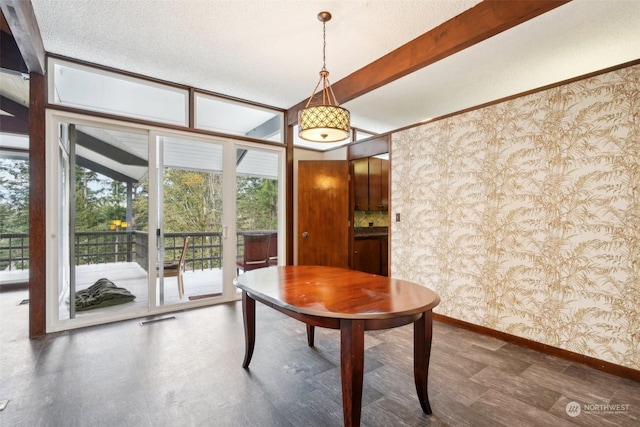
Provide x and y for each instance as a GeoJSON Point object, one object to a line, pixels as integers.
{"type": "Point", "coordinates": [271, 51]}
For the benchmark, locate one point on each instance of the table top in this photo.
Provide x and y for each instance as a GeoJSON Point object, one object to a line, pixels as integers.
{"type": "Point", "coordinates": [336, 292]}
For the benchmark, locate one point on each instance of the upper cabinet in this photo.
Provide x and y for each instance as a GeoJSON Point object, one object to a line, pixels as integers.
{"type": "Point", "coordinates": [371, 184]}
{"type": "Point", "coordinates": [378, 184]}
{"type": "Point", "coordinates": [361, 184]}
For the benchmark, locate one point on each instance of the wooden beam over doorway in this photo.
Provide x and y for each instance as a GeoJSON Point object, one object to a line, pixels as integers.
{"type": "Point", "coordinates": [474, 25]}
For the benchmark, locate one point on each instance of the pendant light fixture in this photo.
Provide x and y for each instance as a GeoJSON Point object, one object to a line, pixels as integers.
{"type": "Point", "coordinates": [327, 121]}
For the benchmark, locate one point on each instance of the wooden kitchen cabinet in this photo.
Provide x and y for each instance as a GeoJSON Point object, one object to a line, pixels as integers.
{"type": "Point", "coordinates": [367, 254]}
{"type": "Point", "coordinates": [361, 184]}
{"type": "Point", "coordinates": [371, 183]}
{"type": "Point", "coordinates": [378, 184]}
{"type": "Point", "coordinates": [384, 256]}
{"type": "Point", "coordinates": [371, 254]}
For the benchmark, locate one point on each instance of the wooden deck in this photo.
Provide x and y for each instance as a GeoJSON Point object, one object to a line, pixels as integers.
{"type": "Point", "coordinates": [129, 275]}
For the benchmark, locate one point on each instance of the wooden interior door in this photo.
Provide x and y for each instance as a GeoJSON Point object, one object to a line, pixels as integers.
{"type": "Point", "coordinates": [323, 213]}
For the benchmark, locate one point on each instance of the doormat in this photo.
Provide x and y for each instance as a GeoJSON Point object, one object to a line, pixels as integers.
{"type": "Point", "coordinates": [103, 293]}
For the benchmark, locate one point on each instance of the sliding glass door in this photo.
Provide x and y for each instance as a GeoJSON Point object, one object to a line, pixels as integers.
{"type": "Point", "coordinates": [147, 221]}
{"type": "Point", "coordinates": [102, 221]}
{"type": "Point", "coordinates": [190, 219]}
{"type": "Point", "coordinates": [257, 208]}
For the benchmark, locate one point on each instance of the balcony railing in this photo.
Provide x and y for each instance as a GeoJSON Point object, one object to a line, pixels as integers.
{"type": "Point", "coordinates": [100, 247]}
{"type": "Point", "coordinates": [14, 251]}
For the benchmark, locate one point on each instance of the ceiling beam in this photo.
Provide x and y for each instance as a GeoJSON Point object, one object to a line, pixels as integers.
{"type": "Point", "coordinates": [103, 170]}
{"type": "Point", "coordinates": [266, 129]}
{"type": "Point", "coordinates": [10, 56]}
{"type": "Point", "coordinates": [24, 28]}
{"type": "Point", "coordinates": [17, 118]}
{"type": "Point", "coordinates": [104, 149]}
{"type": "Point", "coordinates": [472, 26]}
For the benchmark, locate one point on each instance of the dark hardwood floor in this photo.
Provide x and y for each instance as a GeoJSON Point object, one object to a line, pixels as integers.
{"type": "Point", "coordinates": [187, 372]}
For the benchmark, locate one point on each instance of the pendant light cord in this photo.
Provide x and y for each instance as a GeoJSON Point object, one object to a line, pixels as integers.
{"type": "Point", "coordinates": [326, 94]}
{"type": "Point", "coordinates": [324, 45]}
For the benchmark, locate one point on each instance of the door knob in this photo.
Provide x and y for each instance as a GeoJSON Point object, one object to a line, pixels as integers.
{"type": "Point", "coordinates": [305, 235]}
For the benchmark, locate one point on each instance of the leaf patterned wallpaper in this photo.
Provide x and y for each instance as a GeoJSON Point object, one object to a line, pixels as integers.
{"type": "Point", "coordinates": [525, 216]}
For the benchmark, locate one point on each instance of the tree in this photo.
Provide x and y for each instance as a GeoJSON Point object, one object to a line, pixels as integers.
{"type": "Point", "coordinates": [141, 206]}
{"type": "Point", "coordinates": [14, 196]}
{"type": "Point", "coordinates": [99, 200]}
{"type": "Point", "coordinates": [257, 203]}
{"type": "Point", "coordinates": [192, 201]}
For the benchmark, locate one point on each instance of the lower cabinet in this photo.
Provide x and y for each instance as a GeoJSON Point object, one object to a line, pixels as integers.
{"type": "Point", "coordinates": [384, 256]}
{"type": "Point", "coordinates": [370, 255]}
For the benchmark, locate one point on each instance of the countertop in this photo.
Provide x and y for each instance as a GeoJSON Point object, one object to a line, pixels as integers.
{"type": "Point", "coordinates": [370, 232]}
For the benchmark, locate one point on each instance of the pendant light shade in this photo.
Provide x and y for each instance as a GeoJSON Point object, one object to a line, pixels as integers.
{"type": "Point", "coordinates": [326, 121]}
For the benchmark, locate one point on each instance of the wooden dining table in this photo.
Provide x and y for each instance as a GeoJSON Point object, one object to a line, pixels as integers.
{"type": "Point", "coordinates": [348, 300]}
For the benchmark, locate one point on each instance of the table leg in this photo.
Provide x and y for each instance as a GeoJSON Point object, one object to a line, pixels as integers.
{"type": "Point", "coordinates": [310, 334]}
{"type": "Point", "coordinates": [351, 369]}
{"type": "Point", "coordinates": [249, 317]}
{"type": "Point", "coordinates": [422, 333]}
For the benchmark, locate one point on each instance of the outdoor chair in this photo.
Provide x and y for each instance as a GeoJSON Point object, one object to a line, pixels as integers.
{"type": "Point", "coordinates": [175, 268]}
{"type": "Point", "coordinates": [256, 253]}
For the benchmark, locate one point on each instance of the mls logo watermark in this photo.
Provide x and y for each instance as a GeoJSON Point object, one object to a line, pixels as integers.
{"type": "Point", "coordinates": [573, 409]}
